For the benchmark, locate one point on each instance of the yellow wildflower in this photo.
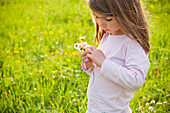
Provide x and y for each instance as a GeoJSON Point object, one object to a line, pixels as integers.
{"type": "Point", "coordinates": [166, 14]}
{"type": "Point", "coordinates": [28, 18]}
{"type": "Point", "coordinates": [43, 13]}
{"type": "Point", "coordinates": [85, 28]}
{"type": "Point", "coordinates": [41, 71]}
{"type": "Point", "coordinates": [59, 31]}
{"type": "Point", "coordinates": [53, 72]}
{"type": "Point", "coordinates": [40, 6]}
{"type": "Point", "coordinates": [155, 0]}
{"type": "Point", "coordinates": [75, 53]}
{"type": "Point", "coordinates": [48, 27]}
{"type": "Point", "coordinates": [16, 51]}
{"type": "Point", "coordinates": [38, 38]}
{"type": "Point", "coordinates": [45, 32]}
{"type": "Point", "coordinates": [51, 32]}
{"type": "Point", "coordinates": [20, 48]}
{"type": "Point", "coordinates": [61, 72]}
{"type": "Point", "coordinates": [9, 91]}
{"type": "Point", "coordinates": [30, 29]}
{"type": "Point", "coordinates": [35, 70]}
{"type": "Point", "coordinates": [66, 34]}
{"type": "Point", "coordinates": [68, 47]}
{"type": "Point", "coordinates": [152, 6]}
{"type": "Point", "coordinates": [68, 60]}
{"type": "Point", "coordinates": [66, 54]}
{"type": "Point", "coordinates": [9, 57]}
{"type": "Point", "coordinates": [52, 53]}
{"type": "Point", "coordinates": [75, 12]}
{"type": "Point", "coordinates": [57, 51]}
{"type": "Point", "coordinates": [17, 61]}
{"type": "Point", "coordinates": [69, 17]}
{"type": "Point", "coordinates": [3, 76]}
{"type": "Point", "coordinates": [33, 27]}
{"type": "Point", "coordinates": [41, 62]}
{"type": "Point", "coordinates": [34, 56]}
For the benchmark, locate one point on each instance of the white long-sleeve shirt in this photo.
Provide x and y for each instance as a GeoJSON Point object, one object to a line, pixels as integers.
{"type": "Point", "coordinates": [121, 74]}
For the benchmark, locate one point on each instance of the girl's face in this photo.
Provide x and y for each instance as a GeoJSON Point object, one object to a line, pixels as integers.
{"type": "Point", "coordinates": [108, 24]}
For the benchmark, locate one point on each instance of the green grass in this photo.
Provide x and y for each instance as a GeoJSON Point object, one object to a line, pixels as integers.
{"type": "Point", "coordinates": [39, 71]}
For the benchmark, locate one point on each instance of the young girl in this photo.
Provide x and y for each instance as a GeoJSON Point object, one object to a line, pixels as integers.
{"type": "Point", "coordinates": [119, 65]}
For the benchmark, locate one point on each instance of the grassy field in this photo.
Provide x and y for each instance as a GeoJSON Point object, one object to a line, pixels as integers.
{"type": "Point", "coordinates": [40, 69]}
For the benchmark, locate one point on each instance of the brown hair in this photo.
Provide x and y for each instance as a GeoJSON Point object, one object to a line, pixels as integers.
{"type": "Point", "coordinates": [130, 16]}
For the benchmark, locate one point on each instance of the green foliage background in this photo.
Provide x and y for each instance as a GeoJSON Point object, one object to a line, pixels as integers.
{"type": "Point", "coordinates": [40, 71]}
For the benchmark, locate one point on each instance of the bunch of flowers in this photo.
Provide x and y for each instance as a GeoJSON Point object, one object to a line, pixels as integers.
{"type": "Point", "coordinates": [81, 46]}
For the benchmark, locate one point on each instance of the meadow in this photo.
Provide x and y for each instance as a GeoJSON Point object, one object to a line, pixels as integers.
{"type": "Point", "coordinates": [40, 70]}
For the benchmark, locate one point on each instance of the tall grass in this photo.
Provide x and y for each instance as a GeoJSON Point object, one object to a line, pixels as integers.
{"type": "Point", "coordinates": [40, 71]}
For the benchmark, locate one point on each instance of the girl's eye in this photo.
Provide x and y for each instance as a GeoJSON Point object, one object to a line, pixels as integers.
{"type": "Point", "coordinates": [108, 19]}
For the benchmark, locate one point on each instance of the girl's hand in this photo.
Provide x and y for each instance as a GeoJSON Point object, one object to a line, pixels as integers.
{"type": "Point", "coordinates": [88, 62]}
{"type": "Point", "coordinates": [97, 56]}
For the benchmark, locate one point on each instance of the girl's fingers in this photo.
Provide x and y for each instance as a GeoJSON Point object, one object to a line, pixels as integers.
{"type": "Point", "coordinates": [90, 56]}
{"type": "Point", "coordinates": [92, 47]}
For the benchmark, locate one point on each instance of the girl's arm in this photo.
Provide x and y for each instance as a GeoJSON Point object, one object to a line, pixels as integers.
{"type": "Point", "coordinates": [132, 75]}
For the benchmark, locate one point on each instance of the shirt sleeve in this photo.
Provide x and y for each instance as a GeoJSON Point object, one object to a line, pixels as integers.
{"type": "Point", "coordinates": [132, 75]}
{"type": "Point", "coordinates": [88, 71]}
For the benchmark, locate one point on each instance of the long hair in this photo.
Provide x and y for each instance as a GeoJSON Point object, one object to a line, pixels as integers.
{"type": "Point", "coordinates": [129, 15]}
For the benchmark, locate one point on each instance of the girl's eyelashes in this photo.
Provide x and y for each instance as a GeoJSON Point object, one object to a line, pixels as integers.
{"type": "Point", "coordinates": [107, 19]}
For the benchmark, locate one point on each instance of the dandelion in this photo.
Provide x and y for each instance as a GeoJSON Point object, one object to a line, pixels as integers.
{"type": "Point", "coordinates": [40, 6]}
{"type": "Point", "coordinates": [66, 34]}
{"type": "Point", "coordinates": [166, 14]}
{"type": "Point", "coordinates": [34, 56]}
{"type": "Point", "coordinates": [53, 72]}
{"type": "Point", "coordinates": [35, 70]}
{"type": "Point", "coordinates": [48, 27]}
{"type": "Point", "coordinates": [41, 62]}
{"type": "Point", "coordinates": [51, 32]}
{"type": "Point", "coordinates": [9, 91]}
{"type": "Point", "coordinates": [69, 17]}
{"type": "Point", "coordinates": [16, 51]}
{"type": "Point", "coordinates": [85, 28]}
{"type": "Point", "coordinates": [8, 56]}
{"type": "Point", "coordinates": [68, 47]}
{"type": "Point", "coordinates": [20, 48]}
{"type": "Point", "coordinates": [52, 53]}
{"type": "Point", "coordinates": [30, 29]}
{"type": "Point", "coordinates": [45, 32]}
{"type": "Point", "coordinates": [28, 18]}
{"type": "Point", "coordinates": [57, 51]}
{"type": "Point", "coordinates": [43, 13]}
{"type": "Point", "coordinates": [68, 60]}
{"type": "Point", "coordinates": [155, 0]}
{"type": "Point", "coordinates": [41, 71]}
{"type": "Point", "coordinates": [152, 6]}
{"type": "Point", "coordinates": [75, 53]}
{"type": "Point", "coordinates": [33, 27]}
{"type": "Point", "coordinates": [38, 38]}
{"type": "Point", "coordinates": [59, 31]}
{"type": "Point", "coordinates": [17, 61]}
{"type": "Point", "coordinates": [75, 12]}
